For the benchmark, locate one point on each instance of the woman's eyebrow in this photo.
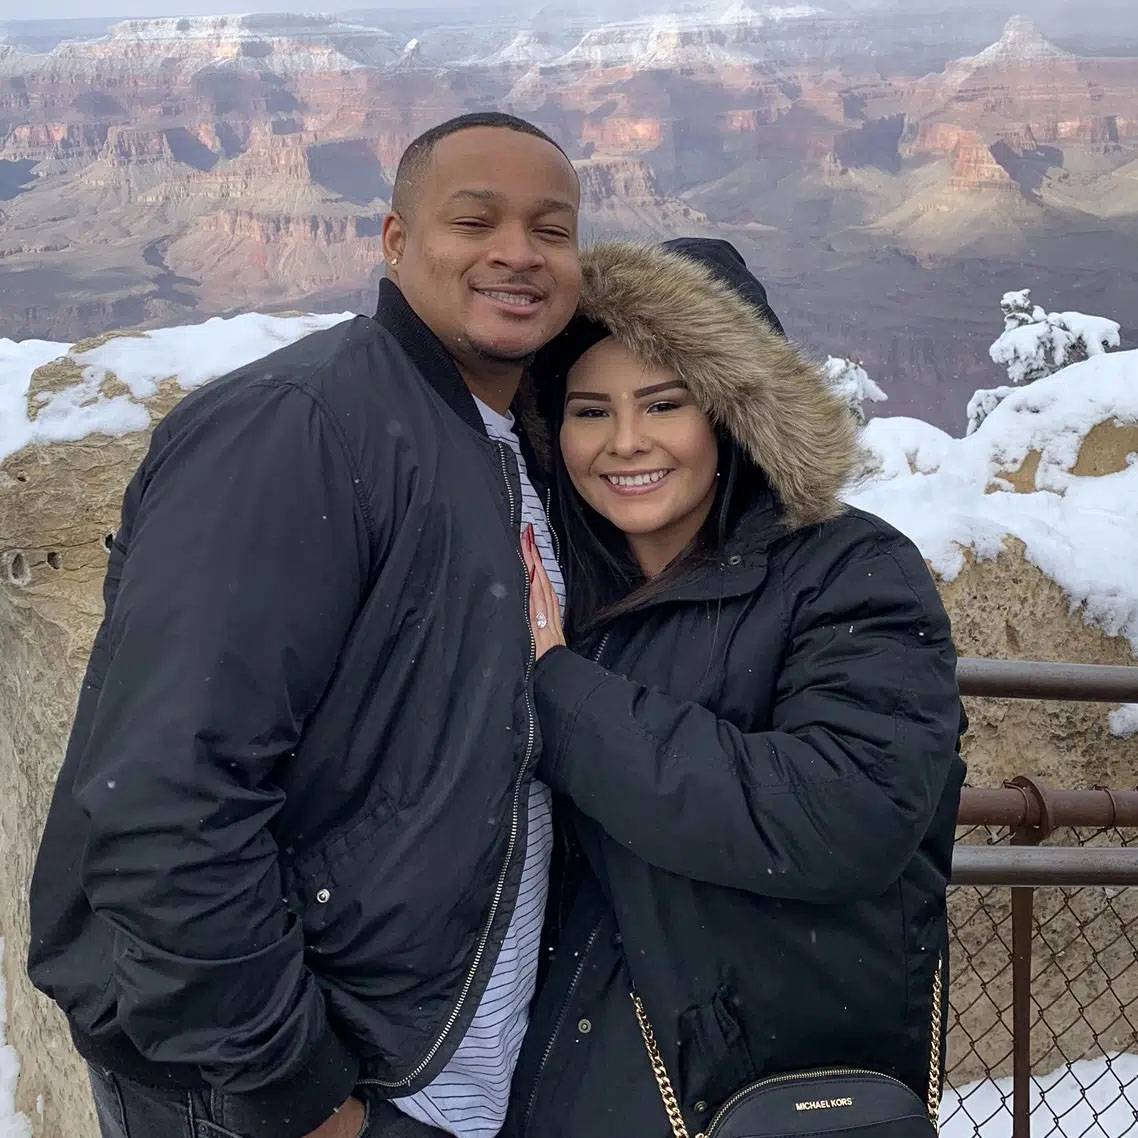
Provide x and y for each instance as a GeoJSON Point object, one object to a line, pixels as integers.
{"type": "Point", "coordinates": [639, 393]}
{"type": "Point", "coordinates": [655, 387]}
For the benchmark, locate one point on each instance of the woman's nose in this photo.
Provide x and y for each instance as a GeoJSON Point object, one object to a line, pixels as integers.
{"type": "Point", "coordinates": [627, 438]}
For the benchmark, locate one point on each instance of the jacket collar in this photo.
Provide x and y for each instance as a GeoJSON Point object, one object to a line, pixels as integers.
{"type": "Point", "coordinates": [437, 367]}
{"type": "Point", "coordinates": [427, 353]}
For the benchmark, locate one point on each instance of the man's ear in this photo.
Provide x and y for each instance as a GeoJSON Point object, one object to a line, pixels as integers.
{"type": "Point", "coordinates": [394, 238]}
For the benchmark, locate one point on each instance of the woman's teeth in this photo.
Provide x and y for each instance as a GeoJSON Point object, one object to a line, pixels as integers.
{"type": "Point", "coordinates": [636, 479]}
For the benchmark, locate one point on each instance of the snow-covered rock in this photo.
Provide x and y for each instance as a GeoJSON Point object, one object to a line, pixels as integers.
{"type": "Point", "coordinates": [56, 392]}
{"type": "Point", "coordinates": [1080, 530]}
{"type": "Point", "coordinates": [526, 49]}
{"type": "Point", "coordinates": [1020, 45]}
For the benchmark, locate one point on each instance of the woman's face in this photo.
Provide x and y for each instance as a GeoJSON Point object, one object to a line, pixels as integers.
{"type": "Point", "coordinates": [639, 451]}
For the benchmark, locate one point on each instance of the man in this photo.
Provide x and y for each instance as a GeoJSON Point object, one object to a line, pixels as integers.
{"type": "Point", "coordinates": [282, 875]}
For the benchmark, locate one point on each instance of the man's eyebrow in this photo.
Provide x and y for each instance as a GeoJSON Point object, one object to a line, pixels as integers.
{"type": "Point", "coordinates": [478, 195]}
{"type": "Point", "coordinates": [546, 205]}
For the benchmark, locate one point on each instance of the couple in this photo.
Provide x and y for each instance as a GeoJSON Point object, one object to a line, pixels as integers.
{"type": "Point", "coordinates": [351, 839]}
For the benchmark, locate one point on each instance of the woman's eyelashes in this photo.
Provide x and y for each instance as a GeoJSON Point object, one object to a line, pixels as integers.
{"type": "Point", "coordinates": [659, 407]}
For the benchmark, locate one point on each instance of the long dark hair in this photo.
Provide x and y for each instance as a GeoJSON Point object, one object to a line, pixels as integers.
{"type": "Point", "coordinates": [602, 577]}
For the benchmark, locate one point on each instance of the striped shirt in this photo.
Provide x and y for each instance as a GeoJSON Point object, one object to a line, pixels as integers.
{"type": "Point", "coordinates": [468, 1098]}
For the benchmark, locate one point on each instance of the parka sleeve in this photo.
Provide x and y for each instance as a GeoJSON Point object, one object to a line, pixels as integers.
{"type": "Point", "coordinates": [246, 561]}
{"type": "Point", "coordinates": [828, 805]}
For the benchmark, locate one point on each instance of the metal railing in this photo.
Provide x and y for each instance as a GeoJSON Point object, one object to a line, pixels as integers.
{"type": "Point", "coordinates": [1045, 936]}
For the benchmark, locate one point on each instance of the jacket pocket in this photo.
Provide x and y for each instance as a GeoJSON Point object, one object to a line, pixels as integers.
{"type": "Point", "coordinates": [715, 1059]}
{"type": "Point", "coordinates": [325, 881]}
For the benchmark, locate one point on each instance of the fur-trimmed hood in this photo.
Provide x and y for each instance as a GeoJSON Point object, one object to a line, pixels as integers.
{"type": "Point", "coordinates": [672, 311]}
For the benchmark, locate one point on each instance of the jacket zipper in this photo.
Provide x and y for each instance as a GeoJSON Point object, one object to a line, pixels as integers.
{"type": "Point", "coordinates": [601, 647]}
{"type": "Point", "coordinates": [797, 1076]}
{"type": "Point", "coordinates": [552, 529]}
{"type": "Point", "coordinates": [560, 1022]}
{"type": "Point", "coordinates": [531, 718]}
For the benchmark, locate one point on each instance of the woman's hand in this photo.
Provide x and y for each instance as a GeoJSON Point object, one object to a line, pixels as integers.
{"type": "Point", "coordinates": [544, 607]}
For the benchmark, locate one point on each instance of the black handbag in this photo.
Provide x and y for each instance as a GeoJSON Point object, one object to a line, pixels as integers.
{"type": "Point", "coordinates": [836, 1102]}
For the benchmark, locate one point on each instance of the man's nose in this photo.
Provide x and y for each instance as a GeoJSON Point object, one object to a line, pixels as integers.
{"type": "Point", "coordinates": [515, 248]}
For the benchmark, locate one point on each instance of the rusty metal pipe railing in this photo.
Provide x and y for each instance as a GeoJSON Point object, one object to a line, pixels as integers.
{"type": "Point", "coordinates": [1027, 803]}
{"type": "Point", "coordinates": [1032, 812]}
{"type": "Point", "coordinates": [1044, 865]}
{"type": "Point", "coordinates": [1036, 679]}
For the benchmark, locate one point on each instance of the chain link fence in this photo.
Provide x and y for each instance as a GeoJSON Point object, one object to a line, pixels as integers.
{"type": "Point", "coordinates": [1083, 1004]}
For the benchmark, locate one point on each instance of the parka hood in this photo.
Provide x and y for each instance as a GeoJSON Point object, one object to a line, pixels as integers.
{"type": "Point", "coordinates": [693, 313]}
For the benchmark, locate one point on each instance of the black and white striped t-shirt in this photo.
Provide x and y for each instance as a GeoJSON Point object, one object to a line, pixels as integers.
{"type": "Point", "coordinates": [469, 1096]}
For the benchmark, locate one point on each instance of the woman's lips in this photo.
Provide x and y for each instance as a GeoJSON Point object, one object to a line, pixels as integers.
{"type": "Point", "coordinates": [635, 485]}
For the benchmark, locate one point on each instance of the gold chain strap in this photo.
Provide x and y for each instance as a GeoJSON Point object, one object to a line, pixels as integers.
{"type": "Point", "coordinates": [671, 1104]}
{"type": "Point", "coordinates": [935, 1047]}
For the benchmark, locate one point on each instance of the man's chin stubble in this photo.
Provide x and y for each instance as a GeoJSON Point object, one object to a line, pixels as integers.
{"type": "Point", "coordinates": [493, 356]}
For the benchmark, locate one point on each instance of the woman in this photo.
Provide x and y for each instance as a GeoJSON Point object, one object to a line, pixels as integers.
{"type": "Point", "coordinates": [754, 730]}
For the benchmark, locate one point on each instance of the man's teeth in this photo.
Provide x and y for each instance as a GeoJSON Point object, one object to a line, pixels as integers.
{"type": "Point", "coordinates": [516, 299]}
{"type": "Point", "coordinates": [636, 479]}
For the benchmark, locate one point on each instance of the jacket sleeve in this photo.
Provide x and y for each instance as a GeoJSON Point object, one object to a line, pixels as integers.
{"type": "Point", "coordinates": [828, 805]}
{"type": "Point", "coordinates": [246, 561]}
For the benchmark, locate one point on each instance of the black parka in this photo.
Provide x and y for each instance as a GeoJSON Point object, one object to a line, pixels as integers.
{"type": "Point", "coordinates": [286, 839]}
{"type": "Point", "coordinates": [759, 769]}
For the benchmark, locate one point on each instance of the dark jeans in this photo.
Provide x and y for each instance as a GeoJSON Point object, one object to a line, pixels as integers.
{"type": "Point", "coordinates": [127, 1109]}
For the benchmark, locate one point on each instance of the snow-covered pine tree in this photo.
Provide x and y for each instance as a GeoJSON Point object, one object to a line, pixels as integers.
{"type": "Point", "coordinates": [850, 380]}
{"type": "Point", "coordinates": [1035, 344]}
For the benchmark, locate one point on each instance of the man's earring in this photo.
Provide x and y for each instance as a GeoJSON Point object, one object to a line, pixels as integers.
{"type": "Point", "coordinates": [393, 261]}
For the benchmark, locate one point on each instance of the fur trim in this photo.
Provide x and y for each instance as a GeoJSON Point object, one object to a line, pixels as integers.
{"type": "Point", "coordinates": [670, 311]}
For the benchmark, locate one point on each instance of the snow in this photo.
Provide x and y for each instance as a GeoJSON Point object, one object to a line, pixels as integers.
{"type": "Point", "coordinates": [12, 1123]}
{"type": "Point", "coordinates": [1124, 720]}
{"type": "Point", "coordinates": [1031, 348]}
{"type": "Point", "coordinates": [196, 353]}
{"type": "Point", "coordinates": [1021, 42]}
{"type": "Point", "coordinates": [1083, 1099]}
{"type": "Point", "coordinates": [525, 49]}
{"type": "Point", "coordinates": [731, 35]}
{"type": "Point", "coordinates": [1018, 308]}
{"type": "Point", "coordinates": [740, 12]}
{"type": "Point", "coordinates": [948, 496]}
{"type": "Point", "coordinates": [283, 44]}
{"type": "Point", "coordinates": [852, 382]}
{"type": "Point", "coordinates": [983, 403]}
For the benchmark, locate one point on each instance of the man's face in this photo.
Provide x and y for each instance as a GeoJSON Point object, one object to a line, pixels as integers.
{"type": "Point", "coordinates": [488, 256]}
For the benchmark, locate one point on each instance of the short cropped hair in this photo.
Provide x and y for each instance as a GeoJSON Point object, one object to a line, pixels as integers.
{"type": "Point", "coordinates": [417, 157]}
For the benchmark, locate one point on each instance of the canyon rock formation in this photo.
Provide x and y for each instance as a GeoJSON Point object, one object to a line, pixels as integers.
{"type": "Point", "coordinates": [168, 170]}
